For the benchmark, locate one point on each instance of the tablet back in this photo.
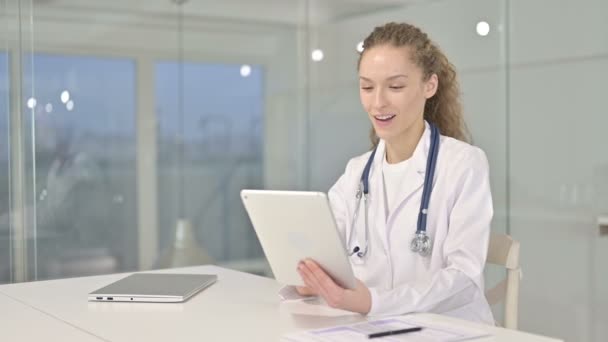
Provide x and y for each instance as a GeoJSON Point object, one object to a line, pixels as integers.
{"type": "Point", "coordinates": [293, 225]}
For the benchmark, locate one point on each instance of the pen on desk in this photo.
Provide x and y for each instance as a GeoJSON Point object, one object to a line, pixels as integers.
{"type": "Point", "coordinates": [394, 332]}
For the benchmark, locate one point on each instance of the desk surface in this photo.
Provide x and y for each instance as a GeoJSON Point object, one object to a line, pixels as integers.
{"type": "Point", "coordinates": [238, 306]}
{"type": "Point", "coordinates": [16, 321]}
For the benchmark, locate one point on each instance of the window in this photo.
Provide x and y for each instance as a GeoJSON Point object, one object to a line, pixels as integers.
{"type": "Point", "coordinates": [84, 115]}
{"type": "Point", "coordinates": [218, 119]}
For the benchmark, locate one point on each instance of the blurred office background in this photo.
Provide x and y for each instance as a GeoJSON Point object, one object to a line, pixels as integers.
{"type": "Point", "coordinates": [128, 128]}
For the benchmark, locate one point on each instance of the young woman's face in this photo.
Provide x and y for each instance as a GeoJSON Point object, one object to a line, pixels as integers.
{"type": "Point", "coordinates": [393, 91]}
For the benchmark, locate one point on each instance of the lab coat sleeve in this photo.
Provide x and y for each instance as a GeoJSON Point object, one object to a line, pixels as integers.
{"type": "Point", "coordinates": [464, 250]}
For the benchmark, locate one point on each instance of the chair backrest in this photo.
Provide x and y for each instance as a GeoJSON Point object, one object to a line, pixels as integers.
{"type": "Point", "coordinates": [504, 251]}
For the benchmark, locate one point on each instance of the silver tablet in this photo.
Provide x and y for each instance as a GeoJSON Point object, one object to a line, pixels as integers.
{"type": "Point", "coordinates": [154, 287]}
{"type": "Point", "coordinates": [293, 225]}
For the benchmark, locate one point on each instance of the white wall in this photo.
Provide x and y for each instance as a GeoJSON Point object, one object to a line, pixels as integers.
{"type": "Point", "coordinates": [559, 164]}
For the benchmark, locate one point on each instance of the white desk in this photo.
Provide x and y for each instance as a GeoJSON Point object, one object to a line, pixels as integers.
{"type": "Point", "coordinates": [17, 322]}
{"type": "Point", "coordinates": [239, 306]}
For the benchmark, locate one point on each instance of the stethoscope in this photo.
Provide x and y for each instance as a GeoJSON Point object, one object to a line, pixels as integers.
{"type": "Point", "coordinates": [421, 243]}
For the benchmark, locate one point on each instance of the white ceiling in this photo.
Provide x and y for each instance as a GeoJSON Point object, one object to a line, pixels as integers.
{"type": "Point", "coordinates": [290, 12]}
{"type": "Point", "coordinates": [225, 27]}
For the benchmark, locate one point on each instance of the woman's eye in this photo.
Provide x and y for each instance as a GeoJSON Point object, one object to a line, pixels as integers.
{"type": "Point", "coordinates": [397, 87]}
{"type": "Point", "coordinates": [367, 88]}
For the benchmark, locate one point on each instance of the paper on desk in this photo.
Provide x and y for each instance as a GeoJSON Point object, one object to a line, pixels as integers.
{"type": "Point", "coordinates": [360, 331]}
{"type": "Point", "coordinates": [313, 307]}
{"type": "Point", "coordinates": [295, 303]}
{"type": "Point", "coordinates": [288, 292]}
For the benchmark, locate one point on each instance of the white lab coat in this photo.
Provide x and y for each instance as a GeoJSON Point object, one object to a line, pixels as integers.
{"type": "Point", "coordinates": [450, 281]}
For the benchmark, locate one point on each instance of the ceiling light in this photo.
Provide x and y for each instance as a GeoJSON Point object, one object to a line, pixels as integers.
{"type": "Point", "coordinates": [483, 28]}
{"type": "Point", "coordinates": [245, 70]}
{"type": "Point", "coordinates": [317, 55]}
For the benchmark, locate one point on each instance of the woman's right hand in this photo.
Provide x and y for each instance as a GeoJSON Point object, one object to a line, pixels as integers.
{"type": "Point", "coordinates": [305, 291]}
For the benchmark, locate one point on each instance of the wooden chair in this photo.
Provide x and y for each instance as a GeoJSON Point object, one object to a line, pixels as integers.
{"type": "Point", "coordinates": [504, 251]}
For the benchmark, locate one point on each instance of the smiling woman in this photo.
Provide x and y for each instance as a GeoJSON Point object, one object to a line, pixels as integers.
{"type": "Point", "coordinates": [409, 90]}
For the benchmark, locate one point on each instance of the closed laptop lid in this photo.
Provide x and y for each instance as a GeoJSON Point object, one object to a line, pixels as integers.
{"type": "Point", "coordinates": [161, 287]}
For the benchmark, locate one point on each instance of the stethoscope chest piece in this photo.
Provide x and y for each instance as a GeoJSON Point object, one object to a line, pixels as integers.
{"type": "Point", "coordinates": [421, 244]}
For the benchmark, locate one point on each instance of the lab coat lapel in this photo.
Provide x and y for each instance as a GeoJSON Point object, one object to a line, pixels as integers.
{"type": "Point", "coordinates": [377, 217]}
{"type": "Point", "coordinates": [414, 178]}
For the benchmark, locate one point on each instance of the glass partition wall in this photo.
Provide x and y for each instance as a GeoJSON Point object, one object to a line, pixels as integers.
{"type": "Point", "coordinates": [5, 86]}
{"type": "Point", "coordinates": [128, 128]}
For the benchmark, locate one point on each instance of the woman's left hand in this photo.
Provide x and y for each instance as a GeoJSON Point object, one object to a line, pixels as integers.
{"type": "Point", "coordinates": [357, 300]}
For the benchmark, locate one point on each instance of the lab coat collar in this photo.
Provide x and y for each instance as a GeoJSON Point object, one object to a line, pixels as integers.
{"type": "Point", "coordinates": [418, 158]}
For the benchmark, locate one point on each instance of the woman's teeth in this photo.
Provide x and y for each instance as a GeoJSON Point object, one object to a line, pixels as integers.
{"type": "Point", "coordinates": [385, 117]}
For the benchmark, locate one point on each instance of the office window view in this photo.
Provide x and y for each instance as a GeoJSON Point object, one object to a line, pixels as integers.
{"type": "Point", "coordinates": [81, 110]}
{"type": "Point", "coordinates": [210, 119]}
{"type": "Point", "coordinates": [209, 147]}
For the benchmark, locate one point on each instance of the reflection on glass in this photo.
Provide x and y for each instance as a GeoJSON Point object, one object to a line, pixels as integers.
{"type": "Point", "coordinates": [4, 168]}
{"type": "Point", "coordinates": [209, 148]}
{"type": "Point", "coordinates": [84, 162]}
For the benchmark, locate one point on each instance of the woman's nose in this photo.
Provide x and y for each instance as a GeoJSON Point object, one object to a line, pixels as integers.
{"type": "Point", "coordinates": [380, 99]}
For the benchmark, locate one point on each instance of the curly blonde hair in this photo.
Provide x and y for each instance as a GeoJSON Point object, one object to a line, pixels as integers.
{"type": "Point", "coordinates": [443, 109]}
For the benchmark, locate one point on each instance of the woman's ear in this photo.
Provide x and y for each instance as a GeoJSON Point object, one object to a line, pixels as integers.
{"type": "Point", "coordinates": [430, 86]}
